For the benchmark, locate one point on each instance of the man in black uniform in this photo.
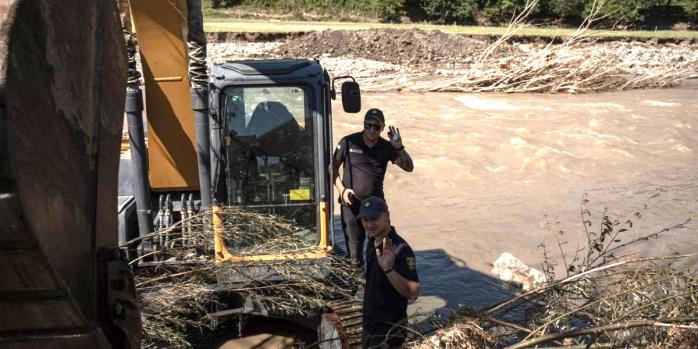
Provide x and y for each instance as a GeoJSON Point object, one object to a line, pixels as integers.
{"type": "Point", "coordinates": [365, 157]}
{"type": "Point", "coordinates": [391, 278]}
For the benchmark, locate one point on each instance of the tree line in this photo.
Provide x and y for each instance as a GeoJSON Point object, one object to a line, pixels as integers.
{"type": "Point", "coordinates": [646, 14]}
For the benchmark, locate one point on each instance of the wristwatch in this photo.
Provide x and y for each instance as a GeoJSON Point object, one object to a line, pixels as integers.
{"type": "Point", "coordinates": [389, 270]}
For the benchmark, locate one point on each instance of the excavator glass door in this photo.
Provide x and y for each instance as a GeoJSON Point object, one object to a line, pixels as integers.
{"type": "Point", "coordinates": [269, 154]}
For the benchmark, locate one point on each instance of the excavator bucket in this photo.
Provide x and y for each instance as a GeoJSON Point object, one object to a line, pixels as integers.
{"type": "Point", "coordinates": [63, 283]}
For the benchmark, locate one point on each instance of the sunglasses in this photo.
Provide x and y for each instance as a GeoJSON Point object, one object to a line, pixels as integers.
{"type": "Point", "coordinates": [370, 126]}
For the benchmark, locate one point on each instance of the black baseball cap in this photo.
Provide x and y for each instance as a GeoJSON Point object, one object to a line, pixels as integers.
{"type": "Point", "coordinates": [372, 207]}
{"type": "Point", "coordinates": [375, 113]}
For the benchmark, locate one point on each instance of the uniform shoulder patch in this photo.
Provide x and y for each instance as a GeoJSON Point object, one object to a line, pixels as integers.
{"type": "Point", "coordinates": [411, 263]}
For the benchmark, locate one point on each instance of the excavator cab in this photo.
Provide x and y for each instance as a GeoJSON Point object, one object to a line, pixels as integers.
{"type": "Point", "coordinates": [271, 141]}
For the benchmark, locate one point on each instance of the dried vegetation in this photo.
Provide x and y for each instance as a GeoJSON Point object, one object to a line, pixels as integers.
{"type": "Point", "coordinates": [610, 297]}
{"type": "Point", "coordinates": [176, 283]}
{"type": "Point", "coordinates": [574, 66]}
{"type": "Point", "coordinates": [419, 60]}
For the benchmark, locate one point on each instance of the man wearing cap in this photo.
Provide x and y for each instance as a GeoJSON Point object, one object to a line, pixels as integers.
{"type": "Point", "coordinates": [365, 156]}
{"type": "Point", "coordinates": [391, 278]}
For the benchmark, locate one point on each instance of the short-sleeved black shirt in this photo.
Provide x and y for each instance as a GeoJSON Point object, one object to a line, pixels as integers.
{"type": "Point", "coordinates": [364, 167]}
{"type": "Point", "coordinates": [383, 306]}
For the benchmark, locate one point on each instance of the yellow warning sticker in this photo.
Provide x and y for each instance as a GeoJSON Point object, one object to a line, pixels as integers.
{"type": "Point", "coordinates": [299, 194]}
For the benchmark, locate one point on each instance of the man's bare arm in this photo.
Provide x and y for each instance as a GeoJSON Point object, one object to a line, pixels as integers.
{"type": "Point", "coordinates": [345, 193]}
{"type": "Point", "coordinates": [404, 160]}
{"type": "Point", "coordinates": [336, 180]}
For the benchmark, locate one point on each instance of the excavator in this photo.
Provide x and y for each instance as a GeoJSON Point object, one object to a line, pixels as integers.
{"type": "Point", "coordinates": [251, 134]}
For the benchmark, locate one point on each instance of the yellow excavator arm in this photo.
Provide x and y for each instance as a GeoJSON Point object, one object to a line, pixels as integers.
{"type": "Point", "coordinates": [161, 27]}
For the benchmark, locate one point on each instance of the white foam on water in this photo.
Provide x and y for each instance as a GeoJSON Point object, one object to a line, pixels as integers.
{"type": "Point", "coordinates": [623, 152]}
{"type": "Point", "coordinates": [604, 105]}
{"type": "Point", "coordinates": [600, 135]}
{"type": "Point", "coordinates": [499, 168]}
{"type": "Point", "coordinates": [682, 148]}
{"type": "Point", "coordinates": [473, 102]}
{"type": "Point", "coordinates": [660, 103]}
{"type": "Point", "coordinates": [522, 131]}
{"type": "Point", "coordinates": [517, 142]}
{"type": "Point", "coordinates": [600, 106]}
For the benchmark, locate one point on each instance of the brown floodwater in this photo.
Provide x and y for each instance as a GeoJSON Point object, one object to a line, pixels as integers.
{"type": "Point", "coordinates": [492, 169]}
{"type": "Point", "coordinates": [489, 169]}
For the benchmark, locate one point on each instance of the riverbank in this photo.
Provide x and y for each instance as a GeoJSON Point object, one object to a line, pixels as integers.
{"type": "Point", "coordinates": [290, 27]}
{"type": "Point", "coordinates": [417, 60]}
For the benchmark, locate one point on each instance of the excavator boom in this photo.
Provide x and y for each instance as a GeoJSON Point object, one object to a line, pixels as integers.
{"type": "Point", "coordinates": [161, 27]}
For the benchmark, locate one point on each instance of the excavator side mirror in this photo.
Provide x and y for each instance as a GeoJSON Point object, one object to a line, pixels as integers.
{"type": "Point", "coordinates": [351, 97]}
{"type": "Point", "coordinates": [351, 94]}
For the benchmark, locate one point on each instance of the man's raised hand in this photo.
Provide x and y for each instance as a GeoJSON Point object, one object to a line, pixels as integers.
{"type": "Point", "coordinates": [386, 259]}
{"type": "Point", "coordinates": [394, 135]}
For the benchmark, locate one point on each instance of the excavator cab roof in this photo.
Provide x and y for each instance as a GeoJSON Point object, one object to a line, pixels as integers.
{"type": "Point", "coordinates": [267, 67]}
{"type": "Point", "coordinates": [270, 71]}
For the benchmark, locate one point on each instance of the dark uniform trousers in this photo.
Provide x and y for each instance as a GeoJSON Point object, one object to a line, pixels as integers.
{"type": "Point", "coordinates": [393, 337]}
{"type": "Point", "coordinates": [354, 232]}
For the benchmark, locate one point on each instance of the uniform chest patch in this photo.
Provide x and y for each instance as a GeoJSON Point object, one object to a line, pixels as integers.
{"type": "Point", "coordinates": [356, 150]}
{"type": "Point", "coordinates": [411, 263]}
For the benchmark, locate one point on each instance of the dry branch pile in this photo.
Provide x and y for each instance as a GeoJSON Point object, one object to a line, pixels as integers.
{"type": "Point", "coordinates": [177, 294]}
{"type": "Point", "coordinates": [575, 66]}
{"type": "Point", "coordinates": [610, 298]}
{"type": "Point", "coordinates": [418, 60]}
{"type": "Point", "coordinates": [390, 59]}
{"type": "Point", "coordinates": [463, 330]}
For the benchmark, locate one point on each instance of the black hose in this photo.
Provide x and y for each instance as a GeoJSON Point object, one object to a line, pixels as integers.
{"type": "Point", "coordinates": [139, 159]}
{"type": "Point", "coordinates": [198, 78]}
{"type": "Point", "coordinates": [199, 102]}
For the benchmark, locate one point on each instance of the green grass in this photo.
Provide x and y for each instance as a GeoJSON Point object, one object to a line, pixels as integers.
{"type": "Point", "coordinates": [271, 26]}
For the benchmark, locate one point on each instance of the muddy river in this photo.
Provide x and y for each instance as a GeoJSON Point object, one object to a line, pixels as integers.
{"type": "Point", "coordinates": [492, 169]}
